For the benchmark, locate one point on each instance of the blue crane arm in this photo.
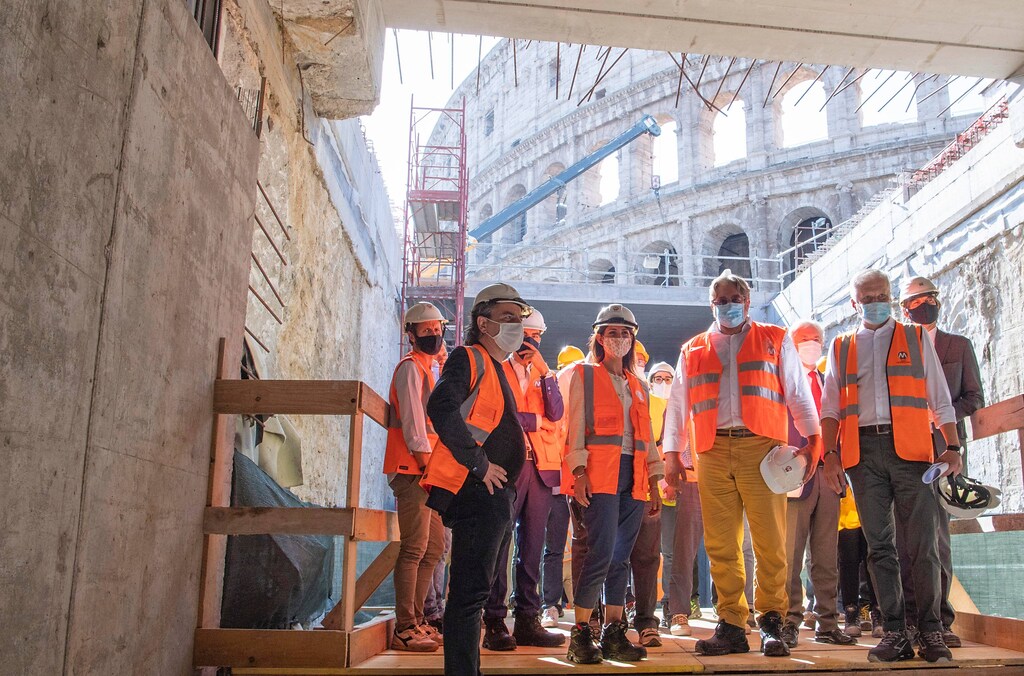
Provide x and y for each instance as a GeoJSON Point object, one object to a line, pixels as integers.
{"type": "Point", "coordinates": [646, 125]}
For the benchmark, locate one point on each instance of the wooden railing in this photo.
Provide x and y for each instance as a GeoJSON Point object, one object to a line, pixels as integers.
{"type": "Point", "coordinates": [341, 643]}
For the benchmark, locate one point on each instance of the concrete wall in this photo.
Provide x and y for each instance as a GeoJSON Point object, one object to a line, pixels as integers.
{"type": "Point", "coordinates": [125, 196]}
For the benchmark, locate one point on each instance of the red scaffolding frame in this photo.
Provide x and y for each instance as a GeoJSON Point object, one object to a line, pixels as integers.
{"type": "Point", "coordinates": [436, 212]}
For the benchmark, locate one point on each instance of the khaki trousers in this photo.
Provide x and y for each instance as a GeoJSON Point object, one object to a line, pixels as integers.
{"type": "Point", "coordinates": [421, 547]}
{"type": "Point", "coordinates": [730, 483]}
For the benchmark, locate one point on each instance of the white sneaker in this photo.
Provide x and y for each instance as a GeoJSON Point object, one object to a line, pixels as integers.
{"type": "Point", "coordinates": [549, 619]}
{"type": "Point", "coordinates": [431, 632]}
{"type": "Point", "coordinates": [680, 625]}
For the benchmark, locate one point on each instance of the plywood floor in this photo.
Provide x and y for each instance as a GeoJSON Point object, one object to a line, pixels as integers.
{"type": "Point", "coordinates": [676, 656]}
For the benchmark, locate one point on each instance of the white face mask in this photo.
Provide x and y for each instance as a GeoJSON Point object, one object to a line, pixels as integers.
{"type": "Point", "coordinates": [810, 352]}
{"type": "Point", "coordinates": [510, 335]}
{"type": "Point", "coordinates": [661, 390]}
{"type": "Point", "coordinates": [618, 347]}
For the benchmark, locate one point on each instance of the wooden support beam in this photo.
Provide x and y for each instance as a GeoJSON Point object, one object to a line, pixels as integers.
{"type": "Point", "coordinates": [293, 397]}
{"type": "Point", "coordinates": [1001, 632]}
{"type": "Point", "coordinates": [279, 520]}
{"type": "Point", "coordinates": [1006, 416]}
{"type": "Point", "coordinates": [375, 525]}
{"type": "Point", "coordinates": [373, 405]}
{"type": "Point", "coordinates": [369, 639]}
{"type": "Point", "coordinates": [270, 648]}
{"type": "Point", "coordinates": [376, 573]}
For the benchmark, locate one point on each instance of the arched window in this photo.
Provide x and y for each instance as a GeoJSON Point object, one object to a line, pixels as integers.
{"type": "Point", "coordinates": [553, 209]}
{"type": "Point", "coordinates": [515, 228]}
{"type": "Point", "coordinates": [483, 247]}
{"type": "Point", "coordinates": [806, 122]}
{"type": "Point", "coordinates": [887, 97]}
{"type": "Point", "coordinates": [658, 265]}
{"type": "Point", "coordinates": [601, 271]}
{"type": "Point", "coordinates": [666, 155]}
{"type": "Point", "coordinates": [734, 254]}
{"type": "Point", "coordinates": [808, 235]}
{"type": "Point", "coordinates": [729, 134]}
{"type": "Point", "coordinates": [608, 187]}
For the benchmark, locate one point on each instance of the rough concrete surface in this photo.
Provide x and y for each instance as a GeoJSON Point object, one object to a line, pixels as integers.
{"type": "Point", "coordinates": [125, 245]}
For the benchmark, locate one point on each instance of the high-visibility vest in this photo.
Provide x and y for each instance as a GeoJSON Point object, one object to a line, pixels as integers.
{"type": "Point", "coordinates": [758, 371]}
{"type": "Point", "coordinates": [605, 424]}
{"type": "Point", "coordinates": [398, 459]}
{"type": "Point", "coordinates": [908, 396]}
{"type": "Point", "coordinates": [546, 450]}
{"type": "Point", "coordinates": [482, 411]}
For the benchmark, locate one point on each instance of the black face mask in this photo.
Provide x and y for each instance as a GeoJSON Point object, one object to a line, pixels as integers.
{"type": "Point", "coordinates": [430, 344]}
{"type": "Point", "coordinates": [924, 314]}
{"type": "Point", "coordinates": [524, 350]}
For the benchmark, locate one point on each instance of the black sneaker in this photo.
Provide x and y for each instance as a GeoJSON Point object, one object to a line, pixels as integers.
{"type": "Point", "coordinates": [527, 631]}
{"type": "Point", "coordinates": [772, 644]}
{"type": "Point", "coordinates": [496, 636]}
{"type": "Point", "coordinates": [950, 639]}
{"type": "Point", "coordinates": [893, 647]}
{"type": "Point", "coordinates": [727, 639]}
{"type": "Point", "coordinates": [615, 645]}
{"type": "Point", "coordinates": [790, 634]}
{"type": "Point", "coordinates": [932, 648]}
{"type": "Point", "coordinates": [834, 637]}
{"type": "Point", "coordinates": [583, 649]}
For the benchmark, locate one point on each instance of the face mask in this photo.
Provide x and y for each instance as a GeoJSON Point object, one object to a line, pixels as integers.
{"type": "Point", "coordinates": [810, 352]}
{"type": "Point", "coordinates": [510, 336]}
{"type": "Point", "coordinates": [730, 315]}
{"type": "Point", "coordinates": [924, 314]}
{"type": "Point", "coordinates": [618, 347]}
{"type": "Point", "coordinates": [875, 313]}
{"type": "Point", "coordinates": [661, 390]}
{"type": "Point", "coordinates": [430, 344]}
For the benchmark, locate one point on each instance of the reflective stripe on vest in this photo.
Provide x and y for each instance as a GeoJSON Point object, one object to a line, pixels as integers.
{"type": "Point", "coordinates": [398, 458]}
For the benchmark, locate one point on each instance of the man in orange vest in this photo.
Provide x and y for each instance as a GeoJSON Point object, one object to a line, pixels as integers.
{"type": "Point", "coordinates": [410, 439]}
{"type": "Point", "coordinates": [539, 407]}
{"type": "Point", "coordinates": [883, 388]}
{"type": "Point", "coordinates": [474, 466]}
{"type": "Point", "coordinates": [728, 407]}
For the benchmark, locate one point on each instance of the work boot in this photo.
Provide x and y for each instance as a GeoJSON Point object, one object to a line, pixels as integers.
{"type": "Point", "coordinates": [527, 631]}
{"type": "Point", "coordinates": [894, 647]}
{"type": "Point", "coordinates": [615, 645]}
{"type": "Point", "coordinates": [496, 636]}
{"type": "Point", "coordinates": [865, 617]}
{"type": "Point", "coordinates": [932, 648]}
{"type": "Point", "coordinates": [834, 637]}
{"type": "Point", "coordinates": [877, 630]}
{"type": "Point", "coordinates": [550, 617]}
{"type": "Point", "coordinates": [790, 634]}
{"type": "Point", "coordinates": [950, 639]}
{"type": "Point", "coordinates": [852, 627]}
{"type": "Point", "coordinates": [728, 639]}
{"type": "Point", "coordinates": [772, 644]}
{"type": "Point", "coordinates": [583, 649]}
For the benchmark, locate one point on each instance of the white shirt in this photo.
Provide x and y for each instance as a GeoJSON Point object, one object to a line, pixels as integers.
{"type": "Point", "coordinates": [795, 390]}
{"type": "Point", "coordinates": [872, 381]}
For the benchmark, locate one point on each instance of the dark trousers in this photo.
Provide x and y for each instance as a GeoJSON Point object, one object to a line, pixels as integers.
{"type": "Point", "coordinates": [854, 582]}
{"type": "Point", "coordinates": [530, 519]}
{"type": "Point", "coordinates": [554, 552]}
{"type": "Point", "coordinates": [481, 525]}
{"type": "Point", "coordinates": [907, 564]}
{"type": "Point", "coordinates": [644, 562]}
{"type": "Point", "coordinates": [889, 490]}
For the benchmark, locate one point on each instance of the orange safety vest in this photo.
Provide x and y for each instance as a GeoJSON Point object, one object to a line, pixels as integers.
{"type": "Point", "coordinates": [546, 449]}
{"type": "Point", "coordinates": [398, 459]}
{"type": "Point", "coordinates": [482, 411]}
{"type": "Point", "coordinates": [602, 410]}
{"type": "Point", "coordinates": [908, 397]}
{"type": "Point", "coordinates": [758, 367]}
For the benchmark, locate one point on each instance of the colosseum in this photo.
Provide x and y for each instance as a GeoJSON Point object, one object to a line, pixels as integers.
{"type": "Point", "coordinates": [756, 164]}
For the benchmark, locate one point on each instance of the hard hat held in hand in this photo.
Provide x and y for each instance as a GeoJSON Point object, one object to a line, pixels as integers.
{"type": "Point", "coordinates": [783, 469]}
{"type": "Point", "coordinates": [423, 312]}
{"type": "Point", "coordinates": [966, 498]}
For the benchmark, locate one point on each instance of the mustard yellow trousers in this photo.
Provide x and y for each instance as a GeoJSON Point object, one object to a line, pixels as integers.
{"type": "Point", "coordinates": [730, 483]}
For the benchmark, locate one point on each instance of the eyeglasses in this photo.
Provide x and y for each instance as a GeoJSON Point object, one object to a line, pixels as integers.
{"type": "Point", "coordinates": [930, 299]}
{"type": "Point", "coordinates": [722, 300]}
{"type": "Point", "coordinates": [661, 378]}
{"type": "Point", "coordinates": [879, 298]}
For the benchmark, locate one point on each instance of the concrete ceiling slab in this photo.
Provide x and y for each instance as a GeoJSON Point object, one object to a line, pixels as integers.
{"type": "Point", "coordinates": [982, 38]}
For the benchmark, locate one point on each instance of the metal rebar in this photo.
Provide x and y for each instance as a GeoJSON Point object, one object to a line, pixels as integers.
{"type": "Point", "coordinates": [753, 62]}
{"type": "Point", "coordinates": [258, 341]}
{"type": "Point", "coordinates": [709, 104]}
{"type": "Point", "coordinates": [265, 304]}
{"type": "Point", "coordinates": [267, 278]}
{"type": "Point", "coordinates": [344, 28]}
{"type": "Point", "coordinates": [601, 76]}
{"type": "Point", "coordinates": [786, 82]}
{"type": "Point", "coordinates": [937, 89]}
{"type": "Point", "coordinates": [808, 86]}
{"type": "Point", "coordinates": [558, 67]}
{"type": "Point", "coordinates": [855, 80]}
{"type": "Point", "coordinates": [430, 51]}
{"type": "Point", "coordinates": [910, 78]}
{"type": "Point", "coordinates": [273, 210]}
{"type": "Point", "coordinates": [721, 82]}
{"type": "Point", "coordinates": [701, 77]}
{"type": "Point", "coordinates": [479, 52]}
{"type": "Point", "coordinates": [771, 85]}
{"type": "Point", "coordinates": [398, 55]}
{"type": "Point", "coordinates": [575, 70]}
{"type": "Point", "coordinates": [515, 63]}
{"type": "Point", "coordinates": [600, 70]}
{"type": "Point", "coordinates": [270, 239]}
{"type": "Point", "coordinates": [868, 97]}
{"type": "Point", "coordinates": [836, 90]}
{"type": "Point", "coordinates": [966, 92]}
{"type": "Point", "coordinates": [451, 37]}
{"type": "Point", "coordinates": [679, 84]}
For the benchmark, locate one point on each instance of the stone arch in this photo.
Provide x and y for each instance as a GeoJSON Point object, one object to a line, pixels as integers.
{"type": "Point", "coordinates": [601, 271]}
{"type": "Point", "coordinates": [483, 247]}
{"type": "Point", "coordinates": [657, 264]}
{"type": "Point", "coordinates": [590, 181]}
{"type": "Point", "coordinates": [806, 226]}
{"type": "Point", "coordinates": [553, 210]}
{"type": "Point", "coordinates": [724, 131]}
{"type": "Point", "coordinates": [726, 246]}
{"type": "Point", "coordinates": [809, 118]}
{"type": "Point", "coordinates": [664, 150]}
{"type": "Point", "coordinates": [515, 229]}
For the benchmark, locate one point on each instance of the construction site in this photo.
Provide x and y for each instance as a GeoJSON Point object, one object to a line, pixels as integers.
{"type": "Point", "coordinates": [205, 277]}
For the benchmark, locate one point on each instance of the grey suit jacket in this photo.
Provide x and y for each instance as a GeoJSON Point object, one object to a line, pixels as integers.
{"type": "Point", "coordinates": [960, 366]}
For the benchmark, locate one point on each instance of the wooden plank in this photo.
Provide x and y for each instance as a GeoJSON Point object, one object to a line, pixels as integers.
{"type": "Point", "coordinates": [370, 639]}
{"type": "Point", "coordinates": [373, 405]}
{"type": "Point", "coordinates": [279, 520]}
{"type": "Point", "coordinates": [1001, 632]}
{"type": "Point", "coordinates": [218, 493]}
{"type": "Point", "coordinates": [375, 525]}
{"type": "Point", "coordinates": [293, 397]}
{"type": "Point", "coordinates": [1006, 416]}
{"type": "Point", "coordinates": [348, 565]}
{"type": "Point", "coordinates": [376, 573]}
{"type": "Point", "coordinates": [280, 648]}
{"type": "Point", "coordinates": [998, 523]}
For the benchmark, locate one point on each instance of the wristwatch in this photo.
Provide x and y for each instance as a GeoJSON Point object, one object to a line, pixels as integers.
{"type": "Point", "coordinates": [830, 452]}
{"type": "Point", "coordinates": [959, 449]}
{"type": "Point", "coordinates": [579, 471]}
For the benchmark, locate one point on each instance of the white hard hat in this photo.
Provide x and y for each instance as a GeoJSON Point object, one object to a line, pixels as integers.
{"type": "Point", "coordinates": [501, 293]}
{"type": "Point", "coordinates": [916, 286]}
{"type": "Point", "coordinates": [616, 314]}
{"type": "Point", "coordinates": [966, 498]}
{"type": "Point", "coordinates": [535, 321]}
{"type": "Point", "coordinates": [423, 312]}
{"type": "Point", "coordinates": [661, 367]}
{"type": "Point", "coordinates": [783, 469]}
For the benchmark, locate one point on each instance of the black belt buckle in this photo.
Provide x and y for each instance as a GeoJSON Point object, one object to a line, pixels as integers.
{"type": "Point", "coordinates": [876, 430]}
{"type": "Point", "coordinates": [734, 432]}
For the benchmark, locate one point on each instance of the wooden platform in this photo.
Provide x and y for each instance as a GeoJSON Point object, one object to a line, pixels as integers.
{"type": "Point", "coordinates": [676, 656]}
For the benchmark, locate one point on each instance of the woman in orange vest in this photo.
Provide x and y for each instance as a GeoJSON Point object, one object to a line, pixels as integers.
{"type": "Point", "coordinates": [611, 469]}
{"type": "Point", "coordinates": [410, 439]}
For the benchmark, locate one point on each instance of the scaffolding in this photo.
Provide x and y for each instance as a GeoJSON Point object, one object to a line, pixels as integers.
{"type": "Point", "coordinates": [436, 212]}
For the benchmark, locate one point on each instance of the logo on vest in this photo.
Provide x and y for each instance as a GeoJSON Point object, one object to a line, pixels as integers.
{"type": "Point", "coordinates": [640, 395]}
{"type": "Point", "coordinates": [902, 356]}
{"type": "Point", "coordinates": [769, 347]}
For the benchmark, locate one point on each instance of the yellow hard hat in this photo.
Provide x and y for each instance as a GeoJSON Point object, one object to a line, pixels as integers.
{"type": "Point", "coordinates": [568, 355]}
{"type": "Point", "coordinates": [642, 351]}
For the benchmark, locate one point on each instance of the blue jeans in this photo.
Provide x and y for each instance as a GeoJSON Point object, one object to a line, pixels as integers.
{"type": "Point", "coordinates": [612, 523]}
{"type": "Point", "coordinates": [554, 551]}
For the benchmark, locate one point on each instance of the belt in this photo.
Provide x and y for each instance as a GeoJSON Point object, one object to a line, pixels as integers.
{"type": "Point", "coordinates": [876, 430]}
{"type": "Point", "coordinates": [734, 432]}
